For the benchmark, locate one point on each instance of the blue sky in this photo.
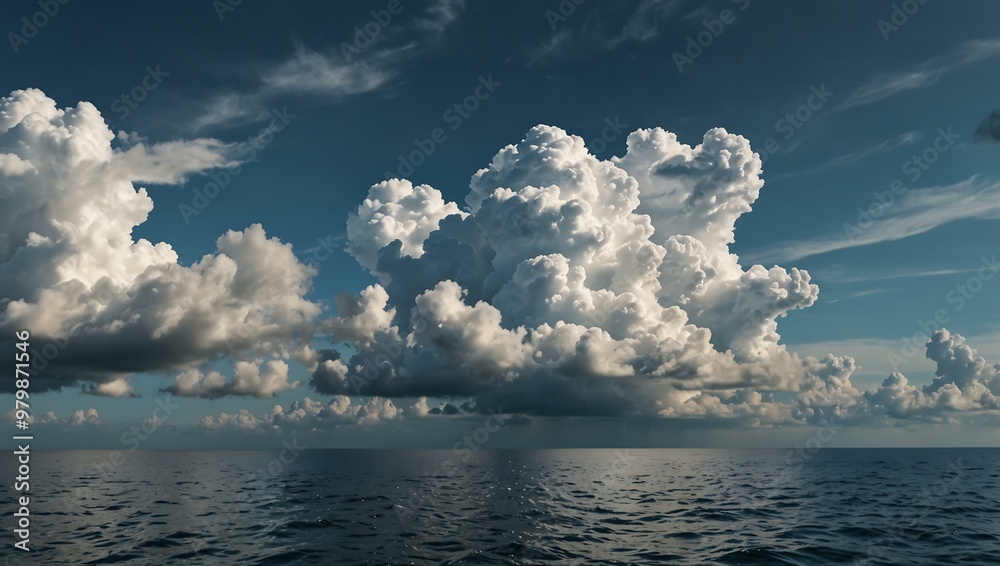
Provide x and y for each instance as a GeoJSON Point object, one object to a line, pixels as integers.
{"type": "Point", "coordinates": [889, 95]}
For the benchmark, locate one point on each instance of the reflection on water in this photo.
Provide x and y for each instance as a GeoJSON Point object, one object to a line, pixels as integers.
{"type": "Point", "coordinates": [514, 507]}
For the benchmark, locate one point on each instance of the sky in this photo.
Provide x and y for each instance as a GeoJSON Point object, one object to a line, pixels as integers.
{"type": "Point", "coordinates": [399, 223]}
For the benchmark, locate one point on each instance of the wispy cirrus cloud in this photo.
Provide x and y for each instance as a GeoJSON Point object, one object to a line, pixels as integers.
{"type": "Point", "coordinates": [850, 158]}
{"type": "Point", "coordinates": [603, 29]}
{"type": "Point", "coordinates": [927, 74]}
{"type": "Point", "coordinates": [335, 72]}
{"type": "Point", "coordinates": [230, 108]}
{"type": "Point", "coordinates": [923, 210]}
{"type": "Point", "coordinates": [441, 14]}
{"type": "Point", "coordinates": [885, 86]}
{"type": "Point", "coordinates": [309, 71]}
{"type": "Point", "coordinates": [644, 23]}
{"type": "Point", "coordinates": [838, 275]}
{"type": "Point", "coordinates": [551, 47]}
{"type": "Point", "coordinates": [859, 295]}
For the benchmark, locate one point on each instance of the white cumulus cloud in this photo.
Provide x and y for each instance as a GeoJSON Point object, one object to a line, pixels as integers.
{"type": "Point", "coordinates": [307, 414]}
{"type": "Point", "coordinates": [73, 273]}
{"type": "Point", "coordinates": [570, 284]}
{"type": "Point", "coordinates": [252, 379]}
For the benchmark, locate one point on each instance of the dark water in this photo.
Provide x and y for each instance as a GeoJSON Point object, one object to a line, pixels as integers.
{"type": "Point", "coordinates": [513, 507]}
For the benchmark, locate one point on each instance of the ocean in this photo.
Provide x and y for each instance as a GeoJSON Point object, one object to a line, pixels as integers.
{"type": "Point", "coordinates": [674, 506]}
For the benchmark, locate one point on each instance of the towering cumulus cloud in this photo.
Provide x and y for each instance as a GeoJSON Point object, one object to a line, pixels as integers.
{"type": "Point", "coordinates": [963, 381]}
{"type": "Point", "coordinates": [574, 285]}
{"type": "Point", "coordinates": [101, 304]}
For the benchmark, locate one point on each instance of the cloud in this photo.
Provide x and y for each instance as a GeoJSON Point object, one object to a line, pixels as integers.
{"type": "Point", "coordinates": [396, 210]}
{"type": "Point", "coordinates": [964, 382]}
{"type": "Point", "coordinates": [927, 74]}
{"type": "Point", "coordinates": [839, 275]}
{"type": "Point", "coordinates": [921, 211]}
{"type": "Point", "coordinates": [79, 418]}
{"type": "Point", "coordinates": [860, 294]}
{"type": "Point", "coordinates": [341, 411]}
{"type": "Point", "coordinates": [854, 157]}
{"type": "Point", "coordinates": [307, 414]}
{"type": "Point", "coordinates": [171, 163]}
{"type": "Point", "coordinates": [594, 31]}
{"type": "Point", "coordinates": [329, 75]}
{"type": "Point", "coordinates": [569, 284]}
{"type": "Point", "coordinates": [118, 388]}
{"type": "Point", "coordinates": [555, 44]}
{"type": "Point", "coordinates": [886, 86]}
{"type": "Point", "coordinates": [230, 108]}
{"type": "Point", "coordinates": [870, 354]}
{"type": "Point", "coordinates": [441, 14]}
{"type": "Point", "coordinates": [88, 417]}
{"type": "Point", "coordinates": [644, 23]}
{"type": "Point", "coordinates": [241, 420]}
{"type": "Point", "coordinates": [101, 304]}
{"type": "Point", "coordinates": [420, 408]}
{"type": "Point", "coordinates": [335, 72]}
{"type": "Point", "coordinates": [989, 129]}
{"type": "Point", "coordinates": [308, 71]}
{"type": "Point", "coordinates": [253, 379]}
{"type": "Point", "coordinates": [880, 356]}
{"type": "Point", "coordinates": [565, 285]}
